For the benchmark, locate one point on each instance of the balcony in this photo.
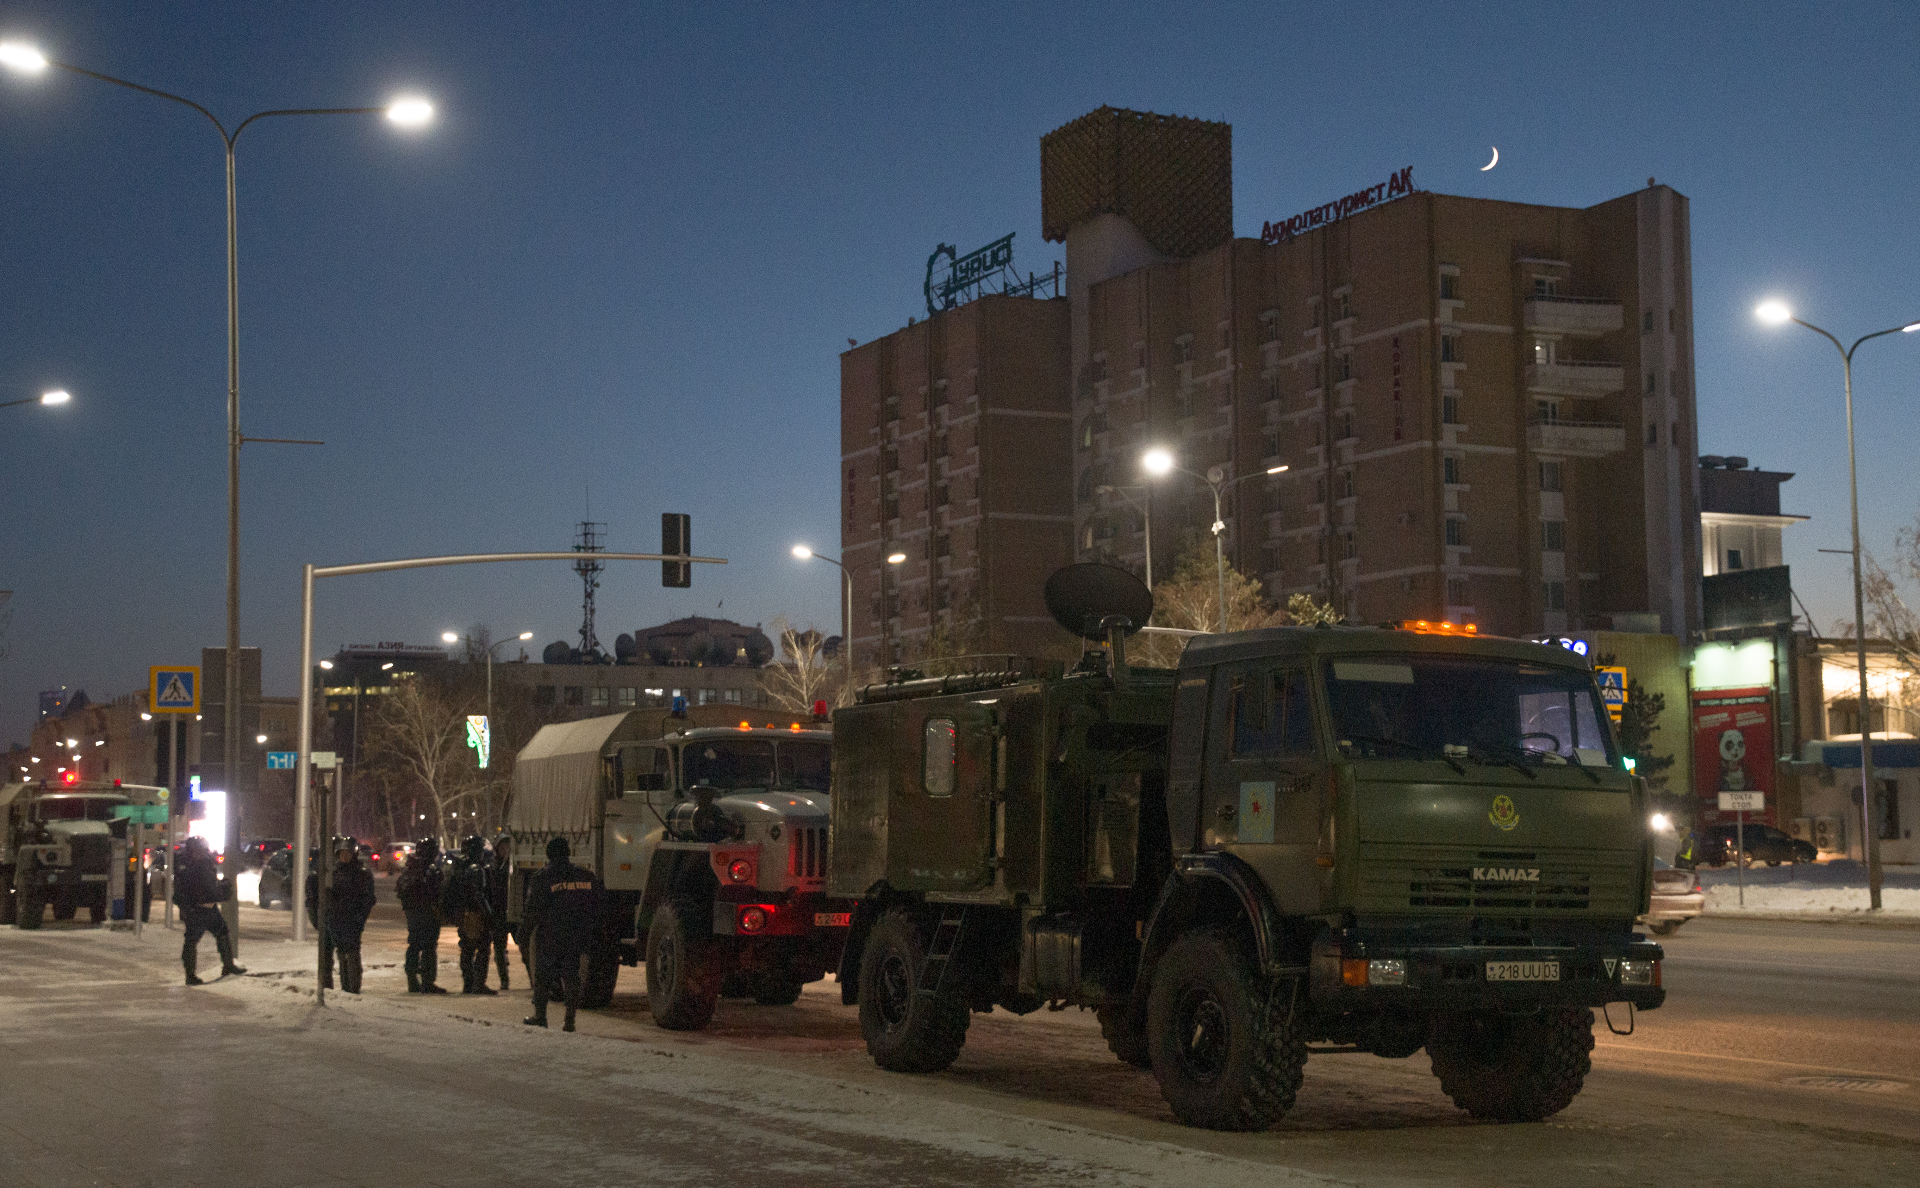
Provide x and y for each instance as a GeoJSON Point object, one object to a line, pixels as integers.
{"type": "Point", "coordinates": [1578, 316]}
{"type": "Point", "coordinates": [1566, 378]}
{"type": "Point", "coordinates": [1577, 439]}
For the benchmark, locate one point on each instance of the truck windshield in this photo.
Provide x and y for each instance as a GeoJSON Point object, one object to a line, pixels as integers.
{"type": "Point", "coordinates": [807, 766]}
{"type": "Point", "coordinates": [1467, 708]}
{"type": "Point", "coordinates": [77, 808]}
{"type": "Point", "coordinates": [729, 763]}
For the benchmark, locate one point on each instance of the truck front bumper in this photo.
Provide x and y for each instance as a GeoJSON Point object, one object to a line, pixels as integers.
{"type": "Point", "coordinates": [1353, 971]}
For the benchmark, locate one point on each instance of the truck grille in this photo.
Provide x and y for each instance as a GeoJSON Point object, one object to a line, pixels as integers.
{"type": "Point", "coordinates": [807, 853]}
{"type": "Point", "coordinates": [1440, 881]}
{"type": "Point", "coordinates": [1454, 887]}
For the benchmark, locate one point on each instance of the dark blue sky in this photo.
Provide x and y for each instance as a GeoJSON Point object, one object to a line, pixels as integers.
{"type": "Point", "coordinates": [623, 262]}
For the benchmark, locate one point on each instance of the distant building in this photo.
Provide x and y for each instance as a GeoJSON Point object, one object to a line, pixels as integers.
{"type": "Point", "coordinates": [707, 661]}
{"type": "Point", "coordinates": [1740, 518]}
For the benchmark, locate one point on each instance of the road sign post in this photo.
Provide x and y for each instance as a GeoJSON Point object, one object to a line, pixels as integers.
{"type": "Point", "coordinates": [1740, 804]}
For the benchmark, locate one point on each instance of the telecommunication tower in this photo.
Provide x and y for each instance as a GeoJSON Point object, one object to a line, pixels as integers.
{"type": "Point", "coordinates": [588, 542]}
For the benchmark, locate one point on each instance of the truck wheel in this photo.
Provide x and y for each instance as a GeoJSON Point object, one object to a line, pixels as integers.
{"type": "Point", "coordinates": [683, 979]}
{"type": "Point", "coordinates": [30, 909]}
{"type": "Point", "coordinates": [1122, 1039]}
{"type": "Point", "coordinates": [1228, 1055]}
{"type": "Point", "coordinates": [603, 973]}
{"type": "Point", "coordinates": [906, 1031]}
{"type": "Point", "coordinates": [1513, 1069]}
{"type": "Point", "coordinates": [1663, 927]}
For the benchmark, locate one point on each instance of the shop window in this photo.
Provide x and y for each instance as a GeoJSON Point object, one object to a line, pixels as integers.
{"type": "Point", "coordinates": [626, 698]}
{"type": "Point", "coordinates": [576, 695]}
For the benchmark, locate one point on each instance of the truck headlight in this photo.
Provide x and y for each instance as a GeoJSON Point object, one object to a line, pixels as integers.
{"type": "Point", "coordinates": [1639, 973]}
{"type": "Point", "coordinates": [1387, 971]}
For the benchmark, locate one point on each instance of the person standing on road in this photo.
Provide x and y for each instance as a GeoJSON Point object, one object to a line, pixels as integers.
{"type": "Point", "coordinates": [563, 910]}
{"type": "Point", "coordinates": [199, 891]}
{"type": "Point", "coordinates": [467, 902]}
{"type": "Point", "coordinates": [1685, 859]}
{"type": "Point", "coordinates": [349, 903]}
{"type": "Point", "coordinates": [418, 889]}
{"type": "Point", "coordinates": [499, 878]}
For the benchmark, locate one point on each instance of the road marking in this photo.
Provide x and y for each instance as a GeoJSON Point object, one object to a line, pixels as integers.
{"type": "Point", "coordinates": [1842, 1072]}
{"type": "Point", "coordinates": [1849, 1084]}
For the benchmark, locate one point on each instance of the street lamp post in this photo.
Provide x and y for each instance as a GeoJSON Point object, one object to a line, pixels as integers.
{"type": "Point", "coordinates": [1775, 313]}
{"type": "Point", "coordinates": [450, 637]}
{"type": "Point", "coordinates": [846, 611]}
{"type": "Point", "coordinates": [57, 396]}
{"type": "Point", "coordinates": [407, 112]}
{"type": "Point", "coordinates": [1158, 462]}
{"type": "Point", "coordinates": [1146, 518]}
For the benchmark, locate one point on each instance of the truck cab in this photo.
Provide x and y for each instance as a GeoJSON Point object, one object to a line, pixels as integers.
{"type": "Point", "coordinates": [57, 843]}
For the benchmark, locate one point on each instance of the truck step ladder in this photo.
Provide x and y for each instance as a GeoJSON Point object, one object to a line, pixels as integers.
{"type": "Point", "coordinates": [947, 936]}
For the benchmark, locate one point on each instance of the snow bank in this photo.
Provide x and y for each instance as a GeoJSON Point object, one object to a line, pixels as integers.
{"type": "Point", "coordinates": [1835, 889]}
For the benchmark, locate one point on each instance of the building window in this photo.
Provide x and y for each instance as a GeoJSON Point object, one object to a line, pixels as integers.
{"type": "Point", "coordinates": [890, 411]}
{"type": "Point", "coordinates": [1456, 532]}
{"type": "Point", "coordinates": [1554, 595]}
{"type": "Point", "coordinates": [940, 495]}
{"type": "Point", "coordinates": [1449, 408]}
{"type": "Point", "coordinates": [1653, 435]}
{"type": "Point", "coordinates": [1085, 490]}
{"type": "Point", "coordinates": [1320, 552]}
{"type": "Point", "coordinates": [1186, 402]}
{"type": "Point", "coordinates": [1735, 560]}
{"type": "Point", "coordinates": [890, 507]}
{"type": "Point", "coordinates": [1344, 301]}
{"type": "Point", "coordinates": [1450, 470]}
{"type": "Point", "coordinates": [1547, 412]}
{"type": "Point", "coordinates": [1183, 349]}
{"type": "Point", "coordinates": [626, 698]}
{"type": "Point", "coordinates": [1646, 322]}
{"type": "Point", "coordinates": [1550, 476]}
{"type": "Point", "coordinates": [598, 697]}
{"type": "Point", "coordinates": [1320, 491]}
{"type": "Point", "coordinates": [1543, 350]}
{"type": "Point", "coordinates": [1086, 538]}
{"type": "Point", "coordinates": [1457, 592]}
{"type": "Point", "coordinates": [1349, 545]}
{"type": "Point", "coordinates": [942, 545]}
{"type": "Point", "coordinates": [1450, 348]}
{"type": "Point", "coordinates": [1346, 365]}
{"type": "Point", "coordinates": [1545, 286]}
{"type": "Point", "coordinates": [543, 694]}
{"type": "Point", "coordinates": [1086, 434]}
{"type": "Point", "coordinates": [576, 695]}
{"type": "Point", "coordinates": [1346, 426]}
{"type": "Point", "coordinates": [1270, 326]}
{"type": "Point", "coordinates": [1449, 286]}
{"type": "Point", "coordinates": [1652, 382]}
{"type": "Point", "coordinates": [1553, 536]}
{"type": "Point", "coordinates": [1271, 436]}
{"type": "Point", "coordinates": [1346, 484]}
{"type": "Point", "coordinates": [890, 458]}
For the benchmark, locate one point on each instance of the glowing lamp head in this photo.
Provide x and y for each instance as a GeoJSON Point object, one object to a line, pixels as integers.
{"type": "Point", "coordinates": [526, 635]}
{"type": "Point", "coordinates": [1659, 823]}
{"type": "Point", "coordinates": [327, 664]}
{"type": "Point", "coordinates": [1773, 313]}
{"type": "Point", "coordinates": [1276, 470]}
{"type": "Point", "coordinates": [802, 552]}
{"type": "Point", "coordinates": [896, 558]}
{"type": "Point", "coordinates": [449, 637]}
{"type": "Point", "coordinates": [1156, 462]}
{"type": "Point", "coordinates": [18, 55]}
{"type": "Point", "coordinates": [410, 112]}
{"type": "Point", "coordinates": [57, 396]}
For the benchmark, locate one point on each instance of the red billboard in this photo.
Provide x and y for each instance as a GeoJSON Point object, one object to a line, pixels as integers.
{"type": "Point", "coordinates": [1733, 749]}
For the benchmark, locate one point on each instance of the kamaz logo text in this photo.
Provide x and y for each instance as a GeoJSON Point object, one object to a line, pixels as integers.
{"type": "Point", "coordinates": [1505, 874]}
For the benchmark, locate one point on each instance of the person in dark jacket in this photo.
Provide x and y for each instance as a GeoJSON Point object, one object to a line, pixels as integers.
{"type": "Point", "coordinates": [199, 891]}
{"type": "Point", "coordinates": [418, 889]}
{"type": "Point", "coordinates": [467, 903]}
{"type": "Point", "coordinates": [499, 878]}
{"type": "Point", "coordinates": [349, 903]}
{"type": "Point", "coordinates": [563, 914]}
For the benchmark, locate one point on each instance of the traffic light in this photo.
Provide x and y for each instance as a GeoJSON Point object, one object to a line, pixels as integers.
{"type": "Point", "coordinates": [676, 537]}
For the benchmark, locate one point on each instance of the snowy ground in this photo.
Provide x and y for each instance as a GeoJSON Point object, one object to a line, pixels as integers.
{"type": "Point", "coordinates": [1828, 889]}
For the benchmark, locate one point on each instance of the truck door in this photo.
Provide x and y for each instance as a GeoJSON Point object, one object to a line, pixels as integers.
{"type": "Point", "coordinates": [942, 812]}
{"type": "Point", "coordinates": [1266, 780]}
{"type": "Point", "coordinates": [642, 772]}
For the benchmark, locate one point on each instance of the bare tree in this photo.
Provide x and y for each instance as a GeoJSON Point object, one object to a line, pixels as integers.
{"type": "Point", "coordinates": [1190, 600]}
{"type": "Point", "coordinates": [417, 748]}
{"type": "Point", "coordinates": [803, 674]}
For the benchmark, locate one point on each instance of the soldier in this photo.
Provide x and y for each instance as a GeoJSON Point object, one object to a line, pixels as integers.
{"type": "Point", "coordinates": [349, 903]}
{"type": "Point", "coordinates": [499, 878]}
{"type": "Point", "coordinates": [199, 891]}
{"type": "Point", "coordinates": [418, 889]}
{"type": "Point", "coordinates": [467, 902]}
{"type": "Point", "coordinates": [563, 909]}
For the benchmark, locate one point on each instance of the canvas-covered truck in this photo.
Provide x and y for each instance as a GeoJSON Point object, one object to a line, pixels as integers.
{"type": "Point", "coordinates": [1371, 840]}
{"type": "Point", "coordinates": [709, 829]}
{"type": "Point", "coordinates": [57, 848]}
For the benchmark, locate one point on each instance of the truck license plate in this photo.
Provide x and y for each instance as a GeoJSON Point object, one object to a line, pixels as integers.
{"type": "Point", "coordinates": [1523, 971]}
{"type": "Point", "coordinates": [832, 919]}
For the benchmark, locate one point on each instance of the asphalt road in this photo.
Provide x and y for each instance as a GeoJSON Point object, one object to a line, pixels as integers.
{"type": "Point", "coordinates": [1786, 1050]}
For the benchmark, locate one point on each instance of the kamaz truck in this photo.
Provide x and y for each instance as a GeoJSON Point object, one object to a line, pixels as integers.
{"type": "Point", "coordinates": [708, 826]}
{"type": "Point", "coordinates": [57, 848]}
{"type": "Point", "coordinates": [1371, 840]}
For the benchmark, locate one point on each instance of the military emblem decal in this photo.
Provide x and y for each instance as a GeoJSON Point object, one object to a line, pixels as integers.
{"type": "Point", "coordinates": [1504, 816]}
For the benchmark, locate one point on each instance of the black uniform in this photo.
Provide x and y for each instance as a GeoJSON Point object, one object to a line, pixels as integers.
{"type": "Point", "coordinates": [348, 907]}
{"type": "Point", "coordinates": [199, 891]}
{"type": "Point", "coordinates": [467, 903]}
{"type": "Point", "coordinates": [418, 889]}
{"type": "Point", "coordinates": [499, 878]}
{"type": "Point", "coordinates": [563, 914]}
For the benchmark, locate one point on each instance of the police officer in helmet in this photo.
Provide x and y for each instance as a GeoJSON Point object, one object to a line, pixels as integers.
{"type": "Point", "coordinates": [199, 891]}
{"type": "Point", "coordinates": [349, 901]}
{"type": "Point", "coordinates": [418, 889]}
{"type": "Point", "coordinates": [563, 912]}
{"type": "Point", "coordinates": [468, 904]}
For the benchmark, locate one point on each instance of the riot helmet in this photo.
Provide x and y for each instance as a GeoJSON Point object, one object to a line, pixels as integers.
{"type": "Point", "coordinates": [474, 847]}
{"type": "Point", "coordinates": [427, 849]}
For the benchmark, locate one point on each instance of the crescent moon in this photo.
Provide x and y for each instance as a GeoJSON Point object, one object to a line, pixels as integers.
{"type": "Point", "coordinates": [1492, 163]}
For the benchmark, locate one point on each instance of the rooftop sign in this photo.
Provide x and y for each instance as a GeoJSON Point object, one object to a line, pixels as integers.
{"type": "Point", "coordinates": [1397, 185]}
{"type": "Point", "coordinates": [977, 273]}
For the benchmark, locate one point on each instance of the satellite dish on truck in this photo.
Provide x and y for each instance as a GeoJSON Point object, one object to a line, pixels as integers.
{"type": "Point", "coordinates": [1083, 597]}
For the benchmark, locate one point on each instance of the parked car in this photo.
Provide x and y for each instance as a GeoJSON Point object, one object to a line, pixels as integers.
{"type": "Point", "coordinates": [256, 853]}
{"type": "Point", "coordinates": [276, 880]}
{"type": "Point", "coordinates": [1677, 898]}
{"type": "Point", "coordinates": [1720, 845]}
{"type": "Point", "coordinates": [393, 858]}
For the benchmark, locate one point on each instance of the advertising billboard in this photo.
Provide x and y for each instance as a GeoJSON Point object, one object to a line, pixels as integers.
{"type": "Point", "coordinates": [1733, 749]}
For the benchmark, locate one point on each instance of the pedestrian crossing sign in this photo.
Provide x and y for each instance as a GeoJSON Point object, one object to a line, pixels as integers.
{"type": "Point", "coordinates": [1613, 689]}
{"type": "Point", "coordinates": [173, 689]}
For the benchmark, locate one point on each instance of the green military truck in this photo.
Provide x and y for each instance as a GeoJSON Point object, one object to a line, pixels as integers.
{"type": "Point", "coordinates": [1370, 840]}
{"type": "Point", "coordinates": [708, 826]}
{"type": "Point", "coordinates": [57, 848]}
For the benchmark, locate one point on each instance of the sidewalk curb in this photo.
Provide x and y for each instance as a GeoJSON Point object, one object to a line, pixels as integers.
{"type": "Point", "coordinates": [1860, 917]}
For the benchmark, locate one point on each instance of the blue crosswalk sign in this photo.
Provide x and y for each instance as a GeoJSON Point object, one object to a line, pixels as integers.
{"type": "Point", "coordinates": [173, 690]}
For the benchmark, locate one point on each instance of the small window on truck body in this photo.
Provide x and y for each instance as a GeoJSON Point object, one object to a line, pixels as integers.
{"type": "Point", "coordinates": [938, 757]}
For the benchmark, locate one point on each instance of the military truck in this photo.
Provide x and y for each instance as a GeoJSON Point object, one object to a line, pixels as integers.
{"type": "Point", "coordinates": [57, 849]}
{"type": "Point", "coordinates": [709, 828]}
{"type": "Point", "coordinates": [1370, 839]}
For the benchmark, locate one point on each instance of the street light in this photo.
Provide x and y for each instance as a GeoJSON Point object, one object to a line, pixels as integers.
{"type": "Point", "coordinates": [1777, 313]}
{"type": "Point", "coordinates": [846, 610]}
{"type": "Point", "coordinates": [450, 637]}
{"type": "Point", "coordinates": [405, 111]}
{"type": "Point", "coordinates": [1146, 517]}
{"type": "Point", "coordinates": [56, 396]}
{"type": "Point", "coordinates": [1158, 463]}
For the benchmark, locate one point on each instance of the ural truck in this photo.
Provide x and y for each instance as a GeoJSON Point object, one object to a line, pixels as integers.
{"type": "Point", "coordinates": [1371, 840]}
{"type": "Point", "coordinates": [708, 827]}
{"type": "Point", "coordinates": [57, 849]}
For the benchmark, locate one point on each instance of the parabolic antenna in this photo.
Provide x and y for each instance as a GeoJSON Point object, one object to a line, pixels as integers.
{"type": "Point", "coordinates": [1080, 596]}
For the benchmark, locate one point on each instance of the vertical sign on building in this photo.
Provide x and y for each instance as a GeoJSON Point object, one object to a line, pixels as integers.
{"type": "Point", "coordinates": [1733, 749]}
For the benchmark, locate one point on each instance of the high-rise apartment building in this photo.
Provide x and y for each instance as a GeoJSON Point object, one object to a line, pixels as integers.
{"type": "Point", "coordinates": [1485, 408]}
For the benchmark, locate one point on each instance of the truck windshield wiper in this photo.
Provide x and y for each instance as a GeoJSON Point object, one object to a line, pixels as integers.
{"type": "Point", "coordinates": [1485, 755]}
{"type": "Point", "coordinates": [1414, 749]}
